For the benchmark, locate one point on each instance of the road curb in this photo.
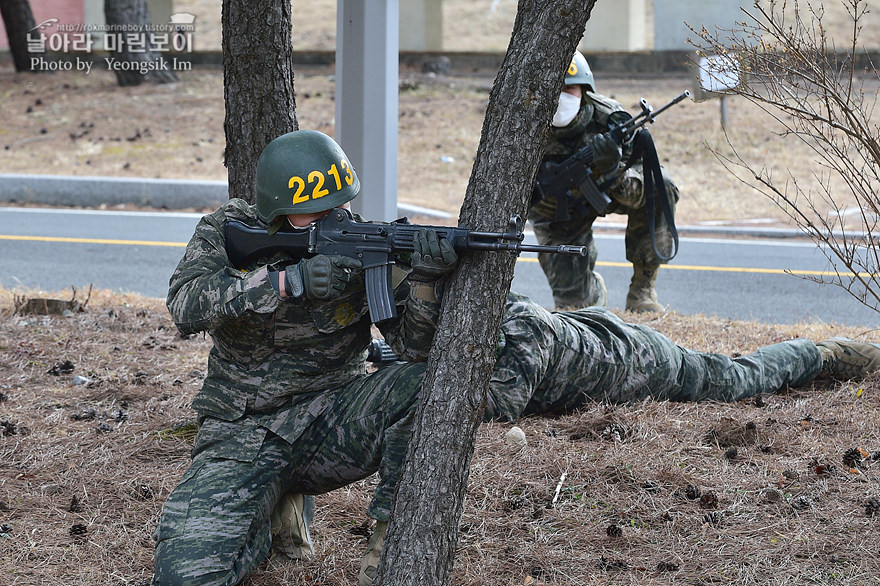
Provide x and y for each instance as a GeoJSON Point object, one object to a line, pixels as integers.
{"type": "Point", "coordinates": [750, 231]}
{"type": "Point", "coordinates": [72, 190]}
{"type": "Point", "coordinates": [165, 194]}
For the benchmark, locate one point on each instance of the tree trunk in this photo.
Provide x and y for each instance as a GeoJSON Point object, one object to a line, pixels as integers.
{"type": "Point", "coordinates": [130, 52]}
{"type": "Point", "coordinates": [257, 85]}
{"type": "Point", "coordinates": [18, 20]}
{"type": "Point", "coordinates": [421, 540]}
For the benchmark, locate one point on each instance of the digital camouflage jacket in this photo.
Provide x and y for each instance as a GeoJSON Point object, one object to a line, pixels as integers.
{"type": "Point", "coordinates": [272, 359]}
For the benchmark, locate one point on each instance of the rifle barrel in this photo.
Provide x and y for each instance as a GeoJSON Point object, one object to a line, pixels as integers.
{"type": "Point", "coordinates": [675, 100]}
{"type": "Point", "coordinates": [517, 247]}
{"type": "Point", "coordinates": [568, 249]}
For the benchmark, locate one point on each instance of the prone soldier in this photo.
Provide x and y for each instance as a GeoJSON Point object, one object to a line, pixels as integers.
{"type": "Point", "coordinates": [553, 362]}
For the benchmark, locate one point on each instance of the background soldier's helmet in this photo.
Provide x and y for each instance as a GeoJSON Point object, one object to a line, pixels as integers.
{"type": "Point", "coordinates": [303, 172]}
{"type": "Point", "coordinates": [579, 72]}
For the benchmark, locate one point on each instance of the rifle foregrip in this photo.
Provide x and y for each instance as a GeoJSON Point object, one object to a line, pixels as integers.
{"type": "Point", "coordinates": [380, 293]}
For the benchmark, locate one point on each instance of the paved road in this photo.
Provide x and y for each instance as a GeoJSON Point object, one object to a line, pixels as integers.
{"type": "Point", "coordinates": [732, 278]}
{"type": "Point", "coordinates": [52, 249]}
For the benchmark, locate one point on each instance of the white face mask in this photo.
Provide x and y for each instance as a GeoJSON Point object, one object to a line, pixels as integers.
{"type": "Point", "coordinates": [567, 110]}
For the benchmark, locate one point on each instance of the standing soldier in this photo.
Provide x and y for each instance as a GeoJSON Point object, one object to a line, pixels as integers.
{"type": "Point", "coordinates": [583, 118]}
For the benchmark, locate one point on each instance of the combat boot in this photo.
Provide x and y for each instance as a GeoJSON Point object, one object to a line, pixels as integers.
{"type": "Point", "coordinates": [642, 297]}
{"type": "Point", "coordinates": [290, 527]}
{"type": "Point", "coordinates": [843, 358]}
{"type": "Point", "coordinates": [370, 563]}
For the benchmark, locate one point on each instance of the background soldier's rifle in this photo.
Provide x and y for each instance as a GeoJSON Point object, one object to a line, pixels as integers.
{"type": "Point", "coordinates": [375, 244]}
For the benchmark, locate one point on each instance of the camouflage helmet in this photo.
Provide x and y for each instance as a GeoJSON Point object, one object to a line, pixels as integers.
{"type": "Point", "coordinates": [579, 72]}
{"type": "Point", "coordinates": [303, 172]}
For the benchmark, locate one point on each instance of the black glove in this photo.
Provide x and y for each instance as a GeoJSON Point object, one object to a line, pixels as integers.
{"type": "Point", "coordinates": [432, 257]}
{"type": "Point", "coordinates": [606, 153]}
{"type": "Point", "coordinates": [321, 277]}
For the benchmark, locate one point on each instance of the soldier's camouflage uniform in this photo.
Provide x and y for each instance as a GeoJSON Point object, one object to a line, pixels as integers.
{"type": "Point", "coordinates": [285, 406]}
{"type": "Point", "coordinates": [572, 278]}
{"type": "Point", "coordinates": [557, 361]}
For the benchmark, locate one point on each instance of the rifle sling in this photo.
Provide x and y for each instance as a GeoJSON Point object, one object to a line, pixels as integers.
{"type": "Point", "coordinates": [654, 186]}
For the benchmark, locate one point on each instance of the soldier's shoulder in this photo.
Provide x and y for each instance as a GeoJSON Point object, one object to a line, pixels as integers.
{"type": "Point", "coordinates": [604, 104]}
{"type": "Point", "coordinates": [238, 209]}
{"type": "Point", "coordinates": [234, 209]}
{"type": "Point", "coordinates": [526, 320]}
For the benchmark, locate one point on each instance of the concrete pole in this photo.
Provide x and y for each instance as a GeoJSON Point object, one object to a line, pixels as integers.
{"type": "Point", "coordinates": [366, 100]}
{"type": "Point", "coordinates": [725, 114]}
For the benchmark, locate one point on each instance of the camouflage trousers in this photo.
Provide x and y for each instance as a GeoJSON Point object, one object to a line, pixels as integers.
{"type": "Point", "coordinates": [215, 525]}
{"type": "Point", "coordinates": [572, 278]}
{"type": "Point", "coordinates": [594, 356]}
{"type": "Point", "coordinates": [553, 362]}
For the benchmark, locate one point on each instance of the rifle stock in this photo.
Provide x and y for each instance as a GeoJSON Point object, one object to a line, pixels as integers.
{"type": "Point", "coordinates": [375, 244]}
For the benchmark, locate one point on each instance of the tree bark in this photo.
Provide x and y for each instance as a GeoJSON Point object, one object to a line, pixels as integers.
{"type": "Point", "coordinates": [420, 544]}
{"type": "Point", "coordinates": [257, 85]}
{"type": "Point", "coordinates": [18, 20]}
{"type": "Point", "coordinates": [136, 63]}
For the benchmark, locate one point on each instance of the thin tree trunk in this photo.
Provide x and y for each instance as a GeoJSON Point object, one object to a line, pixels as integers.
{"type": "Point", "coordinates": [257, 85]}
{"type": "Point", "coordinates": [421, 540]}
{"type": "Point", "coordinates": [18, 20]}
{"type": "Point", "coordinates": [134, 64]}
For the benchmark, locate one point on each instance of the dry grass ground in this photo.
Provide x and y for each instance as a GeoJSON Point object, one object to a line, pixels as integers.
{"type": "Point", "coordinates": [781, 490]}
{"type": "Point", "coordinates": [71, 123]}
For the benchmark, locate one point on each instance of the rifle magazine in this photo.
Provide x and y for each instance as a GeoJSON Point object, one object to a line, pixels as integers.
{"type": "Point", "coordinates": [380, 293]}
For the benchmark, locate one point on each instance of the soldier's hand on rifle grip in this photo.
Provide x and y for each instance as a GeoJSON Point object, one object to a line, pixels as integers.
{"type": "Point", "coordinates": [432, 257]}
{"type": "Point", "coordinates": [322, 277]}
{"type": "Point", "coordinates": [606, 153]}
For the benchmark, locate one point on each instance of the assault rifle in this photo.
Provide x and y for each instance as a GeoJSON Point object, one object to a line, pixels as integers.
{"type": "Point", "coordinates": [558, 179]}
{"type": "Point", "coordinates": [375, 244]}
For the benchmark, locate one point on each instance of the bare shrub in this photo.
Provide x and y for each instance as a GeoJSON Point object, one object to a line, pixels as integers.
{"type": "Point", "coordinates": [823, 96]}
